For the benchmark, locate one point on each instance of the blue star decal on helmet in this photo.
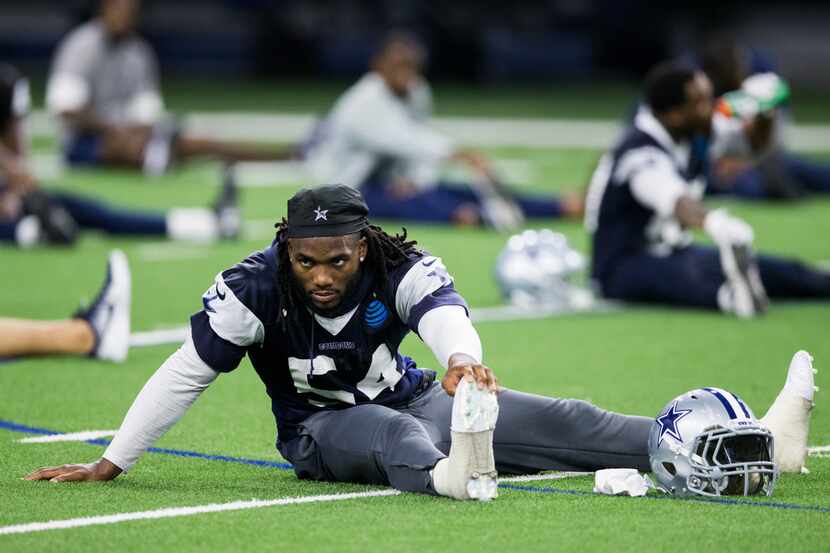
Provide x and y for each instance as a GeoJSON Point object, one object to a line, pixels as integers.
{"type": "Point", "coordinates": [668, 422]}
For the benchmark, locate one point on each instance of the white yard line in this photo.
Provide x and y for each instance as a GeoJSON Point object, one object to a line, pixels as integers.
{"type": "Point", "coordinates": [478, 315]}
{"type": "Point", "coordinates": [158, 337]}
{"type": "Point", "coordinates": [258, 229]}
{"type": "Point", "coordinates": [171, 512]}
{"type": "Point", "coordinates": [477, 131]}
{"type": "Point", "coordinates": [70, 437]}
{"type": "Point", "coordinates": [819, 451]}
{"type": "Point", "coordinates": [171, 251]}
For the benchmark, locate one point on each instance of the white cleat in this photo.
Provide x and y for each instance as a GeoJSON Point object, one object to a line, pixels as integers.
{"type": "Point", "coordinates": [109, 314]}
{"type": "Point", "coordinates": [749, 298]}
{"type": "Point", "coordinates": [469, 472]}
{"type": "Point", "coordinates": [789, 416]}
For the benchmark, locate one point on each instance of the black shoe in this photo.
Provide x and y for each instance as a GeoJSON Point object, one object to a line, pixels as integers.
{"type": "Point", "coordinates": [56, 224]}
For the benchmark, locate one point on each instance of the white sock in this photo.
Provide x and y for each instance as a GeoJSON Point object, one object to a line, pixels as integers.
{"type": "Point", "coordinates": [789, 421]}
{"type": "Point", "coordinates": [471, 456]}
{"type": "Point", "coordinates": [788, 418]}
{"type": "Point", "coordinates": [193, 224]}
{"type": "Point", "coordinates": [27, 233]}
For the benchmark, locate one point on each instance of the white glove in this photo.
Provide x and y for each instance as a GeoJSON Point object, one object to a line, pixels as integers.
{"type": "Point", "coordinates": [727, 230]}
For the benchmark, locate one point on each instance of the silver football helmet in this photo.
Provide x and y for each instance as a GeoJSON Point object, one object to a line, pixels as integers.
{"type": "Point", "coordinates": [535, 269]}
{"type": "Point", "coordinates": [708, 442]}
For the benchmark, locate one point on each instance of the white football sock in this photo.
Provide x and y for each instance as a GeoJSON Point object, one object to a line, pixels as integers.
{"type": "Point", "coordinates": [193, 224]}
{"type": "Point", "coordinates": [27, 233]}
{"type": "Point", "coordinates": [789, 416]}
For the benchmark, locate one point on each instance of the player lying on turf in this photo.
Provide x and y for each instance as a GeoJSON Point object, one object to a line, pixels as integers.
{"type": "Point", "coordinates": [377, 138]}
{"type": "Point", "coordinates": [29, 214]}
{"type": "Point", "coordinates": [101, 330]}
{"type": "Point", "coordinates": [321, 314]}
{"type": "Point", "coordinates": [104, 86]}
{"type": "Point", "coordinates": [645, 196]}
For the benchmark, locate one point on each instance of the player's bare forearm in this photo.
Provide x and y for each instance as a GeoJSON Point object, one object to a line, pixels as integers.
{"type": "Point", "coordinates": [14, 171]}
{"type": "Point", "coordinates": [462, 365]}
{"type": "Point", "coordinates": [690, 212]}
{"type": "Point", "coordinates": [99, 471]}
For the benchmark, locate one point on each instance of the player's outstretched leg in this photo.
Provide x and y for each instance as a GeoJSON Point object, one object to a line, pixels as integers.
{"type": "Point", "coordinates": [109, 314]}
{"type": "Point", "coordinates": [469, 472]}
{"type": "Point", "coordinates": [789, 416]}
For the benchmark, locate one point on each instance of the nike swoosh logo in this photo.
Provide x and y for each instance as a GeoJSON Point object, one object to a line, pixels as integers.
{"type": "Point", "coordinates": [104, 323]}
{"type": "Point", "coordinates": [427, 264]}
{"type": "Point", "coordinates": [220, 295]}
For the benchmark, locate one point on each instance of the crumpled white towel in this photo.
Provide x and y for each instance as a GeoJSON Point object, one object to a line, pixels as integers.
{"type": "Point", "coordinates": [621, 482]}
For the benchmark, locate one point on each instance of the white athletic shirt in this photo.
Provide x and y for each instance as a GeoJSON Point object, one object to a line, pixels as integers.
{"type": "Point", "coordinates": [117, 80]}
{"type": "Point", "coordinates": [370, 128]}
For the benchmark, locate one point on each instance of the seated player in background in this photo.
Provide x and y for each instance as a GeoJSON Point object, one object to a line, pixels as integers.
{"type": "Point", "coordinates": [377, 138]}
{"type": "Point", "coordinates": [31, 215]}
{"type": "Point", "coordinates": [104, 86]}
{"type": "Point", "coordinates": [739, 72]}
{"type": "Point", "coordinates": [101, 330]}
{"type": "Point", "coordinates": [321, 314]}
{"type": "Point", "coordinates": [646, 193]}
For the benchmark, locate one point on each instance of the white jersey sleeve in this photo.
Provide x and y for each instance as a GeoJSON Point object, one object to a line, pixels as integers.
{"type": "Point", "coordinates": [161, 403]}
{"type": "Point", "coordinates": [448, 330]}
{"type": "Point", "coordinates": [653, 177]}
{"type": "Point", "coordinates": [229, 318]}
{"type": "Point", "coordinates": [423, 285]}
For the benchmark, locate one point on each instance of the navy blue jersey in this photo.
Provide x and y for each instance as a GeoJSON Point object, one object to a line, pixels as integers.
{"type": "Point", "coordinates": [620, 224]}
{"type": "Point", "coordinates": [315, 362]}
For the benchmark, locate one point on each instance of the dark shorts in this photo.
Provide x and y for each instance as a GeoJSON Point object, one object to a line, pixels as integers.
{"type": "Point", "coordinates": [84, 149]}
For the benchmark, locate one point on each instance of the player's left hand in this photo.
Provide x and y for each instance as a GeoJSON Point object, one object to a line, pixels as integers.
{"type": "Point", "coordinates": [481, 374]}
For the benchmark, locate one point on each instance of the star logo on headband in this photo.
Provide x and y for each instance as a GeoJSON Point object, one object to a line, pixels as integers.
{"type": "Point", "coordinates": [320, 214]}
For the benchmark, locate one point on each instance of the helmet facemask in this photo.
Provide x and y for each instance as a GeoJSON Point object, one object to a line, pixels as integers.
{"type": "Point", "coordinates": [732, 462]}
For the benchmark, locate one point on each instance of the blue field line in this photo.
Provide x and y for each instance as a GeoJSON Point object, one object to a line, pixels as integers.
{"type": "Point", "coordinates": [716, 500]}
{"type": "Point", "coordinates": [15, 427]}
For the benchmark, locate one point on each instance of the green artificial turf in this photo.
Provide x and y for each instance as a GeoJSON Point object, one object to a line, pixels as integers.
{"type": "Point", "coordinates": [630, 361]}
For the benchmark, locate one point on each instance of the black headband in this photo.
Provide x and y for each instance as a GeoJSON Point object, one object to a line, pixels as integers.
{"type": "Point", "coordinates": [331, 210]}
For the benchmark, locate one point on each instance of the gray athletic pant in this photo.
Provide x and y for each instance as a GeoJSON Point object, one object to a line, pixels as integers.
{"type": "Point", "coordinates": [398, 447]}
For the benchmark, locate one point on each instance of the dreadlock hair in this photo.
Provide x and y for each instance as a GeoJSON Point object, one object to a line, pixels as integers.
{"type": "Point", "coordinates": [384, 252]}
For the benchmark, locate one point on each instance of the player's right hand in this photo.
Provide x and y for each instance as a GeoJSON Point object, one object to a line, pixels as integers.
{"type": "Point", "coordinates": [100, 470]}
{"type": "Point", "coordinates": [463, 367]}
